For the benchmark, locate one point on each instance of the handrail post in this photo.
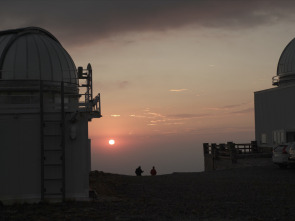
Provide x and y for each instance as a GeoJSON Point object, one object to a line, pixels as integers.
{"type": "Point", "coordinates": [254, 146]}
{"type": "Point", "coordinates": [232, 151]}
{"type": "Point", "coordinates": [206, 148]}
{"type": "Point", "coordinates": [213, 154]}
{"type": "Point", "coordinates": [41, 97]}
{"type": "Point", "coordinates": [214, 150]}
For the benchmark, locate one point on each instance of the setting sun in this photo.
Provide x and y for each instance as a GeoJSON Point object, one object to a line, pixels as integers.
{"type": "Point", "coordinates": [111, 142]}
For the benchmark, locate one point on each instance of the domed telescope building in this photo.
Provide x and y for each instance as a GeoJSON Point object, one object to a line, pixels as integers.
{"type": "Point", "coordinates": [275, 107]}
{"type": "Point", "coordinates": [45, 106]}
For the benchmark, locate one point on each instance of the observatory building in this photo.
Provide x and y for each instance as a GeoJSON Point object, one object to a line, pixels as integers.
{"type": "Point", "coordinates": [274, 107]}
{"type": "Point", "coordinates": [45, 106]}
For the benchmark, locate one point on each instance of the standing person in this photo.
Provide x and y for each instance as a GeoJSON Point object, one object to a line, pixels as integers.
{"type": "Point", "coordinates": [153, 172]}
{"type": "Point", "coordinates": [138, 171]}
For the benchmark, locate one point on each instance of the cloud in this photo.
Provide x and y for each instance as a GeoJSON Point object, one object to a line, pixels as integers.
{"type": "Point", "coordinates": [114, 85]}
{"type": "Point", "coordinates": [175, 123]}
{"type": "Point", "coordinates": [137, 116]}
{"type": "Point", "coordinates": [115, 115]}
{"type": "Point", "coordinates": [187, 116]}
{"type": "Point", "coordinates": [242, 108]}
{"type": "Point", "coordinates": [219, 129]}
{"type": "Point", "coordinates": [82, 22]}
{"type": "Point", "coordinates": [244, 111]}
{"type": "Point", "coordinates": [232, 106]}
{"type": "Point", "coordinates": [178, 90]}
{"type": "Point", "coordinates": [228, 107]}
{"type": "Point", "coordinates": [153, 114]}
{"type": "Point", "coordinates": [123, 84]}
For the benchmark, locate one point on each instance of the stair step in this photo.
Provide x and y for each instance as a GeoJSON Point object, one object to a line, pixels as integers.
{"type": "Point", "coordinates": [52, 179]}
{"type": "Point", "coordinates": [52, 150]}
{"type": "Point", "coordinates": [52, 164]}
{"type": "Point", "coordinates": [52, 135]}
{"type": "Point", "coordinates": [53, 194]}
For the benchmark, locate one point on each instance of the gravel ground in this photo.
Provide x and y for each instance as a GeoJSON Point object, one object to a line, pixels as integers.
{"type": "Point", "coordinates": [252, 193]}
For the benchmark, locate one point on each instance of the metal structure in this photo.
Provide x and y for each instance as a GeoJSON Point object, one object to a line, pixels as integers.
{"type": "Point", "coordinates": [274, 107]}
{"type": "Point", "coordinates": [87, 103]}
{"type": "Point", "coordinates": [52, 157]}
{"type": "Point", "coordinates": [45, 107]}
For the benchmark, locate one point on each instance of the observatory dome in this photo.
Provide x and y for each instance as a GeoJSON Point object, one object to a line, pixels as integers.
{"type": "Point", "coordinates": [34, 54]}
{"type": "Point", "coordinates": [286, 65]}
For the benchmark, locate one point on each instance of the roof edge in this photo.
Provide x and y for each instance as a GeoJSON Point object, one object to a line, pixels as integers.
{"type": "Point", "coordinates": [27, 30]}
{"type": "Point", "coordinates": [283, 52]}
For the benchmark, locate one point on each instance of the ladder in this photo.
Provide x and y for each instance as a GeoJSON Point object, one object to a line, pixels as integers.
{"type": "Point", "coordinates": [52, 128]}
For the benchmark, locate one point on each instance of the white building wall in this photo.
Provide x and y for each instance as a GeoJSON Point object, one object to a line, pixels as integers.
{"type": "Point", "coordinates": [274, 115]}
{"type": "Point", "coordinates": [77, 156]}
{"type": "Point", "coordinates": [20, 158]}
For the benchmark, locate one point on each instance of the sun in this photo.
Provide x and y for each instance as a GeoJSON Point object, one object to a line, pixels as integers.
{"type": "Point", "coordinates": [111, 142]}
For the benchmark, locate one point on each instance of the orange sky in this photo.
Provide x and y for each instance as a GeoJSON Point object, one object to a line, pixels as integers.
{"type": "Point", "coordinates": [172, 74]}
{"type": "Point", "coordinates": [189, 86]}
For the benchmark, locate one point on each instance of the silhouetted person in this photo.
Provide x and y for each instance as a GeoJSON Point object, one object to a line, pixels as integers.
{"type": "Point", "coordinates": [153, 172]}
{"type": "Point", "coordinates": [138, 171]}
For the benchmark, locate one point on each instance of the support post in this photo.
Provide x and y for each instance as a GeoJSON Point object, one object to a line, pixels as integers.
{"type": "Point", "coordinates": [63, 142]}
{"type": "Point", "coordinates": [232, 151]}
{"type": "Point", "coordinates": [215, 150]}
{"type": "Point", "coordinates": [42, 139]}
{"type": "Point", "coordinates": [206, 148]}
{"type": "Point", "coordinates": [254, 146]}
{"type": "Point", "coordinates": [214, 154]}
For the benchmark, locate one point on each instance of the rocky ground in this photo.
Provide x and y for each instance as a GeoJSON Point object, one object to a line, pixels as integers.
{"type": "Point", "coordinates": [262, 192]}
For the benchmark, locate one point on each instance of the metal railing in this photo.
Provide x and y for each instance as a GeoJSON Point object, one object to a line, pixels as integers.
{"type": "Point", "coordinates": [230, 149]}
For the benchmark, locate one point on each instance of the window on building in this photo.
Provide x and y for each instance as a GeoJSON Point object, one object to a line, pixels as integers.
{"type": "Point", "coordinates": [263, 138]}
{"type": "Point", "coordinates": [57, 99]}
{"type": "Point", "coordinates": [279, 137]}
{"type": "Point", "coordinates": [282, 136]}
{"type": "Point", "coordinates": [274, 137]}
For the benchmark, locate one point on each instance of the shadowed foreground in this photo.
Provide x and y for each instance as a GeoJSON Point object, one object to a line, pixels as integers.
{"type": "Point", "coordinates": [252, 193]}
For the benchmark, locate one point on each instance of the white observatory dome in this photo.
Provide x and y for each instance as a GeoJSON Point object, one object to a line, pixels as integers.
{"type": "Point", "coordinates": [45, 107]}
{"type": "Point", "coordinates": [286, 66]}
{"type": "Point", "coordinates": [34, 54]}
